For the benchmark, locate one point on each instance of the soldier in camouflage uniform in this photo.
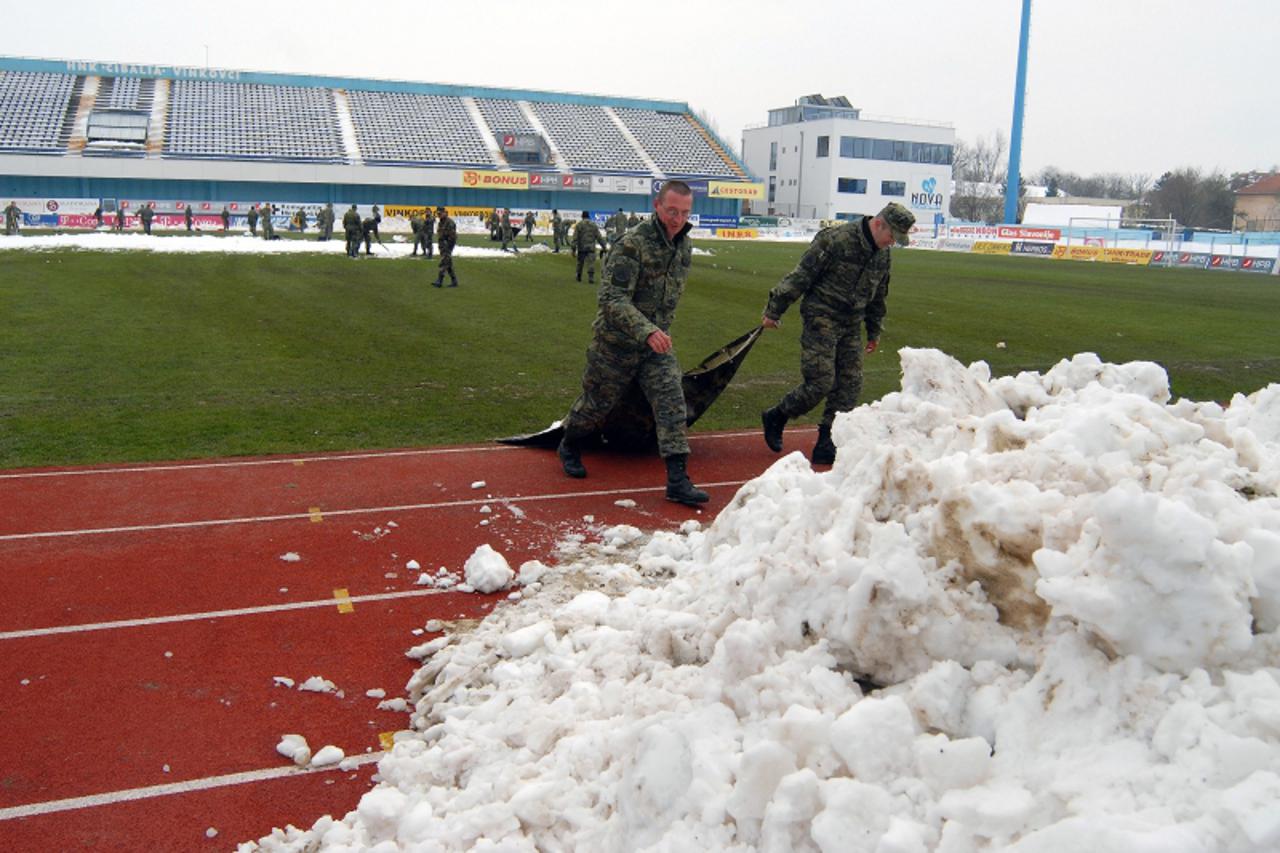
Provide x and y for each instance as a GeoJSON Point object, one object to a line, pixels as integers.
{"type": "Point", "coordinates": [633, 220]}
{"type": "Point", "coordinates": [530, 219]}
{"type": "Point", "coordinates": [644, 277]}
{"type": "Point", "coordinates": [843, 280]}
{"type": "Point", "coordinates": [446, 239]}
{"type": "Point", "coordinates": [557, 232]}
{"type": "Point", "coordinates": [326, 227]}
{"type": "Point", "coordinates": [268, 227]}
{"type": "Point", "coordinates": [351, 227]}
{"type": "Point", "coordinates": [252, 216]}
{"type": "Point", "coordinates": [428, 230]}
{"type": "Point", "coordinates": [225, 216]}
{"type": "Point", "coordinates": [11, 214]}
{"type": "Point", "coordinates": [415, 225]}
{"type": "Point", "coordinates": [188, 218]}
{"type": "Point", "coordinates": [508, 236]}
{"type": "Point", "coordinates": [146, 215]}
{"type": "Point", "coordinates": [586, 236]}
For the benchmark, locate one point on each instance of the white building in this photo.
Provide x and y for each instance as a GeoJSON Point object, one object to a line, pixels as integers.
{"type": "Point", "coordinates": [820, 159]}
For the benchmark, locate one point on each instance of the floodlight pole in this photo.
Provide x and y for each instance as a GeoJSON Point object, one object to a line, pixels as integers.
{"type": "Point", "coordinates": [1015, 134]}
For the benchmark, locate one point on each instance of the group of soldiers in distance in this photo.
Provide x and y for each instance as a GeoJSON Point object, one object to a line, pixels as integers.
{"type": "Point", "coordinates": [430, 228]}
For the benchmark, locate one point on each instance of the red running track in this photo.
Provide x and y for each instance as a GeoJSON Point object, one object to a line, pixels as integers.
{"type": "Point", "coordinates": [148, 614]}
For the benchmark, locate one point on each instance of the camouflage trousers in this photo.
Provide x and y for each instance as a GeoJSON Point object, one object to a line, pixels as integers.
{"type": "Point", "coordinates": [609, 371]}
{"type": "Point", "coordinates": [353, 242]}
{"type": "Point", "coordinates": [587, 258]}
{"type": "Point", "coordinates": [831, 366]}
{"type": "Point", "coordinates": [422, 241]}
{"type": "Point", "coordinates": [446, 266]}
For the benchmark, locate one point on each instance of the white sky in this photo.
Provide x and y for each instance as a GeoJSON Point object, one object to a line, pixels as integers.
{"type": "Point", "coordinates": [1113, 85]}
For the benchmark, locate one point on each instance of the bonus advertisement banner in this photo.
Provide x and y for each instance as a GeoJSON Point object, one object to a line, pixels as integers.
{"type": "Point", "coordinates": [485, 180]}
{"type": "Point", "coordinates": [1078, 253]}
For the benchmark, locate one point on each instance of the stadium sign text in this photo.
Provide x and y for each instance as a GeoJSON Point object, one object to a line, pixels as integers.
{"type": "Point", "coordinates": [1010, 232]}
{"type": "Point", "coordinates": [927, 199]}
{"type": "Point", "coordinates": [495, 180]}
{"type": "Point", "coordinates": [124, 69]}
{"type": "Point", "coordinates": [735, 189]}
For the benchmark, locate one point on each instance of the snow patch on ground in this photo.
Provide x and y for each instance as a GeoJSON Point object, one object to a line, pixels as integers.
{"type": "Point", "coordinates": [1032, 613]}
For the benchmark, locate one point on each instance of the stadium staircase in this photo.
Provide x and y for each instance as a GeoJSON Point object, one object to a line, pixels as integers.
{"type": "Point", "coordinates": [160, 91]}
{"type": "Point", "coordinates": [633, 142]}
{"type": "Point", "coordinates": [716, 146]}
{"type": "Point", "coordinates": [486, 132]}
{"type": "Point", "coordinates": [82, 103]}
{"type": "Point", "coordinates": [347, 125]}
{"type": "Point", "coordinates": [71, 116]}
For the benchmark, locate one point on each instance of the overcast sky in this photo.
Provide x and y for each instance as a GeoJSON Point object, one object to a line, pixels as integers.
{"type": "Point", "coordinates": [1129, 86]}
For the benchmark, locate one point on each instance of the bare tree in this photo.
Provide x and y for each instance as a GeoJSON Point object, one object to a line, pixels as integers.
{"type": "Point", "coordinates": [1201, 201]}
{"type": "Point", "coordinates": [979, 171]}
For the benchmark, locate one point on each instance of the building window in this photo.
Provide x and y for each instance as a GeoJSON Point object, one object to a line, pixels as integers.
{"type": "Point", "coordinates": [893, 188]}
{"type": "Point", "coordinates": [851, 185]}
{"type": "Point", "coordinates": [824, 146]}
{"type": "Point", "coordinates": [773, 188]}
{"type": "Point", "coordinates": [773, 156]}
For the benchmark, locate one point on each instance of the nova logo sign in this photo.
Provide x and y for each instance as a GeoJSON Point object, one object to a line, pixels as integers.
{"type": "Point", "coordinates": [927, 199]}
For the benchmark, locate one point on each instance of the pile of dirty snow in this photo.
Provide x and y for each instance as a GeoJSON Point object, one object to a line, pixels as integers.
{"type": "Point", "coordinates": [1034, 613]}
{"type": "Point", "coordinates": [236, 243]}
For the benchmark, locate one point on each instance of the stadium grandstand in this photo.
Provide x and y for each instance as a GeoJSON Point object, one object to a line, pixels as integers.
{"type": "Point", "coordinates": [109, 130]}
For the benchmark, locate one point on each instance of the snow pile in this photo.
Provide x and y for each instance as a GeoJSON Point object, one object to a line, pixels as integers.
{"type": "Point", "coordinates": [239, 243]}
{"type": "Point", "coordinates": [1035, 613]}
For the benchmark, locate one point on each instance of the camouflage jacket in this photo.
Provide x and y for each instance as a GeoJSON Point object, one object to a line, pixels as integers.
{"type": "Point", "coordinates": [643, 280]}
{"type": "Point", "coordinates": [351, 221]}
{"type": "Point", "coordinates": [446, 233]}
{"type": "Point", "coordinates": [586, 234]}
{"type": "Point", "coordinates": [428, 225]}
{"type": "Point", "coordinates": [842, 275]}
{"type": "Point", "coordinates": [415, 224]}
{"type": "Point", "coordinates": [146, 214]}
{"type": "Point", "coordinates": [252, 215]}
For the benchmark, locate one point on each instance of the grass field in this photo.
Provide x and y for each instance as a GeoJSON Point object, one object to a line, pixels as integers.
{"type": "Point", "coordinates": [139, 356]}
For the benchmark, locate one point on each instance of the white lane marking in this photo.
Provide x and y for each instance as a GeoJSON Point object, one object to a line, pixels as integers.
{"type": "Point", "coordinates": [248, 463]}
{"type": "Point", "coordinates": [211, 614]}
{"type": "Point", "coordinates": [330, 513]}
{"type": "Point", "coordinates": [293, 460]}
{"type": "Point", "coordinates": [112, 797]}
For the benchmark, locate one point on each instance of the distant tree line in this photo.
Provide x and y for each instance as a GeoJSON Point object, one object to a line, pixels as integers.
{"type": "Point", "coordinates": [1194, 198]}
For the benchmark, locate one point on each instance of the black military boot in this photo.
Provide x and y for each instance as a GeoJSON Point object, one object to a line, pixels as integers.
{"type": "Point", "coordinates": [774, 422]}
{"type": "Point", "coordinates": [679, 487]}
{"type": "Point", "coordinates": [824, 452]}
{"type": "Point", "coordinates": [571, 458]}
{"type": "Point", "coordinates": [438, 283]}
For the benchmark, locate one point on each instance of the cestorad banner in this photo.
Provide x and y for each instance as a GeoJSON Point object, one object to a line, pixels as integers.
{"type": "Point", "coordinates": [483, 180]}
{"type": "Point", "coordinates": [735, 189]}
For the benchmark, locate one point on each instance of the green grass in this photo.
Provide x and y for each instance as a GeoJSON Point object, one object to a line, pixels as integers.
{"type": "Point", "coordinates": [136, 356]}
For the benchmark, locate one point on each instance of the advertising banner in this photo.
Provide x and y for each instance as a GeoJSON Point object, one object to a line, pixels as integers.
{"type": "Point", "coordinates": [1262, 265]}
{"type": "Point", "coordinates": [1019, 232]}
{"type": "Point", "coordinates": [952, 244]}
{"type": "Point", "coordinates": [705, 221]}
{"type": "Point", "coordinates": [575, 182]}
{"type": "Point", "coordinates": [487, 180]}
{"type": "Point", "coordinates": [971, 231]}
{"type": "Point", "coordinates": [459, 212]}
{"type": "Point", "coordinates": [1192, 260]}
{"type": "Point", "coordinates": [737, 233]}
{"type": "Point", "coordinates": [698, 187]}
{"type": "Point", "coordinates": [735, 189]}
{"type": "Point", "coordinates": [1028, 247]}
{"type": "Point", "coordinates": [619, 184]}
{"type": "Point", "coordinates": [539, 181]}
{"type": "Point", "coordinates": [1141, 257]}
{"type": "Point", "coordinates": [1224, 262]}
{"type": "Point", "coordinates": [764, 222]}
{"type": "Point", "coordinates": [1078, 253]}
{"type": "Point", "coordinates": [989, 247]}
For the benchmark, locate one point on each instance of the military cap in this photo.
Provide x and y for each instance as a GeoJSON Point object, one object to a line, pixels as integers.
{"type": "Point", "coordinates": [899, 220]}
{"type": "Point", "coordinates": [439, 208]}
